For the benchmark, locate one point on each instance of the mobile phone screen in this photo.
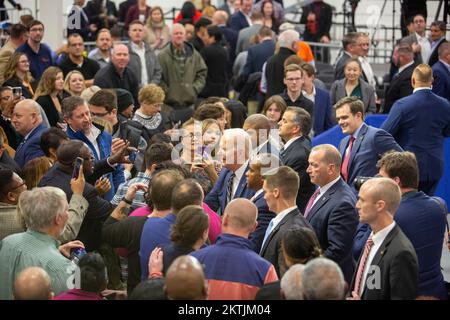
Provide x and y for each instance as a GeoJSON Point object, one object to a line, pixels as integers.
{"type": "Point", "coordinates": [76, 168]}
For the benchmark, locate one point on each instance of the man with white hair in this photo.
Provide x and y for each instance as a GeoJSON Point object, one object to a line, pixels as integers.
{"type": "Point", "coordinates": [235, 149]}
{"type": "Point", "coordinates": [27, 121]}
{"type": "Point", "coordinates": [274, 71]}
{"type": "Point", "coordinates": [117, 73]}
{"type": "Point", "coordinates": [45, 211]}
{"type": "Point", "coordinates": [291, 283]}
{"type": "Point", "coordinates": [322, 279]}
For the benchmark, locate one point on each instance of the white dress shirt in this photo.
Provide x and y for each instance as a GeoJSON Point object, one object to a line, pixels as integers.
{"type": "Point", "coordinates": [425, 46]}
{"type": "Point", "coordinates": [378, 239]}
{"type": "Point", "coordinates": [140, 51]}
{"type": "Point", "coordinates": [325, 189]}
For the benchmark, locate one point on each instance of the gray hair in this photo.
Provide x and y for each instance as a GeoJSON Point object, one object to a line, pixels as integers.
{"type": "Point", "coordinates": [291, 283]}
{"type": "Point", "coordinates": [301, 118]}
{"type": "Point", "coordinates": [287, 38]}
{"type": "Point", "coordinates": [239, 138]}
{"type": "Point", "coordinates": [322, 279]}
{"type": "Point", "coordinates": [40, 206]}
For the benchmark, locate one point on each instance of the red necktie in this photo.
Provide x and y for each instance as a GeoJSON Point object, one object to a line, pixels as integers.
{"type": "Point", "coordinates": [344, 169]}
{"type": "Point", "coordinates": [362, 265]}
{"type": "Point", "coordinates": [311, 202]}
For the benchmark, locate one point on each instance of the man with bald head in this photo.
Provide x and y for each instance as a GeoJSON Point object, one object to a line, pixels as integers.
{"type": "Point", "coordinates": [388, 267]}
{"type": "Point", "coordinates": [220, 19]}
{"type": "Point", "coordinates": [27, 121]}
{"type": "Point", "coordinates": [117, 73]}
{"type": "Point", "coordinates": [183, 74]}
{"type": "Point", "coordinates": [258, 127]}
{"type": "Point", "coordinates": [419, 123]}
{"type": "Point", "coordinates": [234, 271]}
{"type": "Point", "coordinates": [331, 209]}
{"type": "Point", "coordinates": [185, 280]}
{"type": "Point", "coordinates": [280, 192]}
{"type": "Point", "coordinates": [33, 283]}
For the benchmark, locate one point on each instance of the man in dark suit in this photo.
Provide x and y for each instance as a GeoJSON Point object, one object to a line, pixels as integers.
{"type": "Point", "coordinates": [400, 85]}
{"type": "Point", "coordinates": [421, 218]}
{"type": "Point", "coordinates": [349, 44]}
{"type": "Point", "coordinates": [60, 175]}
{"type": "Point", "coordinates": [364, 145]}
{"type": "Point", "coordinates": [258, 54]}
{"type": "Point", "coordinates": [419, 123]}
{"type": "Point", "coordinates": [235, 147]}
{"type": "Point", "coordinates": [388, 267]}
{"type": "Point", "coordinates": [287, 41]}
{"type": "Point", "coordinates": [280, 191]}
{"type": "Point", "coordinates": [293, 129]}
{"type": "Point", "coordinates": [27, 121]}
{"type": "Point", "coordinates": [257, 167]}
{"type": "Point", "coordinates": [441, 72]}
{"type": "Point", "coordinates": [241, 19]}
{"type": "Point", "coordinates": [331, 210]}
{"type": "Point", "coordinates": [437, 39]}
{"type": "Point", "coordinates": [230, 36]}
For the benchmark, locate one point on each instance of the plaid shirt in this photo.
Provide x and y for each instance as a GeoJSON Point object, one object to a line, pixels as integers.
{"type": "Point", "coordinates": [139, 200]}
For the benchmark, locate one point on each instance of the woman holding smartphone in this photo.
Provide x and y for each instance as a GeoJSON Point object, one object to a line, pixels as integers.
{"type": "Point", "coordinates": [18, 75]}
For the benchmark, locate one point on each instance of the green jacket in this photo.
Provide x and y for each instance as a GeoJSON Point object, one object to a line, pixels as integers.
{"type": "Point", "coordinates": [182, 86]}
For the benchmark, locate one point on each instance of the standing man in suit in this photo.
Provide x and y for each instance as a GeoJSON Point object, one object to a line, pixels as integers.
{"type": "Point", "coordinates": [331, 210]}
{"type": "Point", "coordinates": [437, 39]}
{"type": "Point", "coordinates": [257, 168]}
{"type": "Point", "coordinates": [259, 53]}
{"type": "Point", "coordinates": [27, 121]}
{"type": "Point", "coordinates": [241, 19]}
{"type": "Point", "coordinates": [419, 123]}
{"type": "Point", "coordinates": [350, 47]}
{"type": "Point", "coordinates": [235, 150]}
{"type": "Point", "coordinates": [388, 267]}
{"type": "Point", "coordinates": [421, 218]}
{"type": "Point", "coordinates": [364, 145]}
{"type": "Point", "coordinates": [294, 128]}
{"type": "Point", "coordinates": [400, 85]}
{"type": "Point", "coordinates": [245, 35]}
{"type": "Point", "coordinates": [419, 42]}
{"type": "Point", "coordinates": [441, 72]}
{"type": "Point", "coordinates": [259, 129]}
{"type": "Point", "coordinates": [280, 191]}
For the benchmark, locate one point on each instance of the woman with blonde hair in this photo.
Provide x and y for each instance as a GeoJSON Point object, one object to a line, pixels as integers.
{"type": "Point", "coordinates": [74, 83]}
{"type": "Point", "coordinates": [156, 30]}
{"type": "Point", "coordinates": [49, 94]}
{"type": "Point", "coordinates": [17, 74]}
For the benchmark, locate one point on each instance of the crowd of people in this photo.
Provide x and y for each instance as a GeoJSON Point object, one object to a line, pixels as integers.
{"type": "Point", "coordinates": [177, 162]}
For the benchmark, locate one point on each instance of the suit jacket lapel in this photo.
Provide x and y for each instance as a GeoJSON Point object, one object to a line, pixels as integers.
{"type": "Point", "coordinates": [241, 186]}
{"type": "Point", "coordinates": [274, 231]}
{"type": "Point", "coordinates": [384, 246]}
{"type": "Point", "coordinates": [357, 144]}
{"type": "Point", "coordinates": [322, 201]}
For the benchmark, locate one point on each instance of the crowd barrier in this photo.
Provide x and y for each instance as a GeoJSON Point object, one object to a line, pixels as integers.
{"type": "Point", "coordinates": [334, 135]}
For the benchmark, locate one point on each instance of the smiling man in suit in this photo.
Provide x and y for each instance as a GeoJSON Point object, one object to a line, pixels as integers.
{"type": "Point", "coordinates": [280, 191]}
{"type": "Point", "coordinates": [294, 128]}
{"type": "Point", "coordinates": [364, 145]}
{"type": "Point", "coordinates": [235, 149]}
{"type": "Point", "coordinates": [331, 209]}
{"type": "Point", "coordinates": [388, 267]}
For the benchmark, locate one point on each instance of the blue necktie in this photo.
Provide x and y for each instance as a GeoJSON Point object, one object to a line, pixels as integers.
{"type": "Point", "coordinates": [268, 232]}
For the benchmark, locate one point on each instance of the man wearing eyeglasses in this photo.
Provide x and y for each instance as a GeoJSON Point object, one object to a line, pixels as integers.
{"type": "Point", "coordinates": [76, 61]}
{"type": "Point", "coordinates": [39, 54]}
{"type": "Point", "coordinates": [293, 79]}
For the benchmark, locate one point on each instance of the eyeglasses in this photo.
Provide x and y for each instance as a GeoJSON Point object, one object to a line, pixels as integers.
{"type": "Point", "coordinates": [100, 115]}
{"type": "Point", "coordinates": [293, 79]}
{"type": "Point", "coordinates": [17, 187]}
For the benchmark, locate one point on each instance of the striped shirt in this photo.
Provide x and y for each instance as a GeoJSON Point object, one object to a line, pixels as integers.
{"type": "Point", "coordinates": [33, 249]}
